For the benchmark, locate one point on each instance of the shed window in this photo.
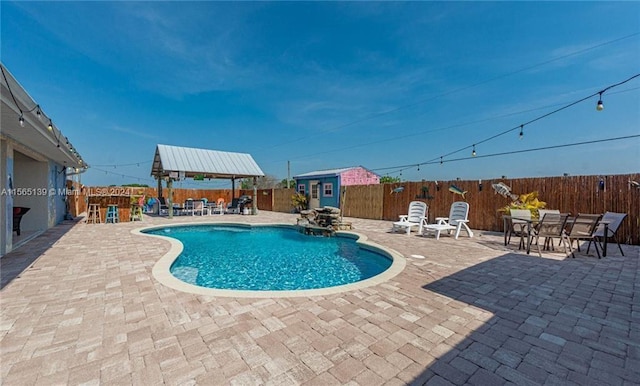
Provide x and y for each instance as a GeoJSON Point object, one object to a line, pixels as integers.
{"type": "Point", "coordinates": [328, 189]}
{"type": "Point", "coordinates": [301, 189]}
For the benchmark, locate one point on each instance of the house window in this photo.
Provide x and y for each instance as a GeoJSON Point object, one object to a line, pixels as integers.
{"type": "Point", "coordinates": [301, 189]}
{"type": "Point", "coordinates": [328, 189]}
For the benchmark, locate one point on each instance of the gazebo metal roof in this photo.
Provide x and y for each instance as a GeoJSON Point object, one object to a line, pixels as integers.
{"type": "Point", "coordinates": [187, 162]}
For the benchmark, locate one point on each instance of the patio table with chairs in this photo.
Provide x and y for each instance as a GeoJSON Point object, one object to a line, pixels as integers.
{"type": "Point", "coordinates": [591, 227]}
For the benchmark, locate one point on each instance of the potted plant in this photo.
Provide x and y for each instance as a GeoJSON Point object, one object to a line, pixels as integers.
{"type": "Point", "coordinates": [299, 202]}
{"type": "Point", "coordinates": [528, 201]}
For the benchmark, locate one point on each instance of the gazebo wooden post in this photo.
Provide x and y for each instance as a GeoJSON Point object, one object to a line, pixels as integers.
{"type": "Point", "coordinates": [254, 207]}
{"type": "Point", "coordinates": [159, 185]}
{"type": "Point", "coordinates": [169, 199]}
{"type": "Point", "coordinates": [233, 188]}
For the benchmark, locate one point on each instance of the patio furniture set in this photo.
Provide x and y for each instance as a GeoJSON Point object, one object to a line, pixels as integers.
{"type": "Point", "coordinates": [551, 224]}
{"type": "Point", "coordinates": [201, 207]}
{"type": "Point", "coordinates": [597, 229]}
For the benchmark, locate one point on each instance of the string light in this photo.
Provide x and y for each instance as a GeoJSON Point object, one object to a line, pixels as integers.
{"type": "Point", "coordinates": [128, 164]}
{"type": "Point", "coordinates": [473, 152]}
{"type": "Point", "coordinates": [547, 147]}
{"type": "Point", "coordinates": [464, 88]}
{"type": "Point", "coordinates": [432, 162]}
{"type": "Point", "coordinates": [39, 114]}
{"type": "Point", "coordinates": [123, 175]}
{"type": "Point", "coordinates": [600, 105]}
{"type": "Point", "coordinates": [526, 123]}
{"type": "Point", "coordinates": [521, 133]}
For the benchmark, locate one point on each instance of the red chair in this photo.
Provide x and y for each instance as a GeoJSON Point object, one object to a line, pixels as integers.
{"type": "Point", "coordinates": [18, 212]}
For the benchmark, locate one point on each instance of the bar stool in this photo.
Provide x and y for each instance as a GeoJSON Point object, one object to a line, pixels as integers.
{"type": "Point", "coordinates": [112, 214]}
{"type": "Point", "coordinates": [93, 214]}
{"type": "Point", "coordinates": [136, 212]}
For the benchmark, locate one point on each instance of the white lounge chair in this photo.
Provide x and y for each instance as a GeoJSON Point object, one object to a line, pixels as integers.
{"type": "Point", "coordinates": [458, 219]}
{"type": "Point", "coordinates": [199, 206]}
{"type": "Point", "coordinates": [219, 207]}
{"type": "Point", "coordinates": [417, 216]}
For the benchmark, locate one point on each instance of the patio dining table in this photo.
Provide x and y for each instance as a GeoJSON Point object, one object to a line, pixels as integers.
{"type": "Point", "coordinates": [508, 224]}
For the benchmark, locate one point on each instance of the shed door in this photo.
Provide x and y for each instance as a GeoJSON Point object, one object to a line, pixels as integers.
{"type": "Point", "coordinates": [314, 194]}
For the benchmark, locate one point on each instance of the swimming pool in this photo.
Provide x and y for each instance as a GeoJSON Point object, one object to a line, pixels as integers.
{"type": "Point", "coordinates": [242, 260]}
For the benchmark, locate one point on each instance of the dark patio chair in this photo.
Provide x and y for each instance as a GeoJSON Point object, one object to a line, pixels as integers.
{"type": "Point", "coordinates": [162, 205]}
{"type": "Point", "coordinates": [613, 220]}
{"type": "Point", "coordinates": [550, 226]}
{"type": "Point", "coordinates": [583, 228]}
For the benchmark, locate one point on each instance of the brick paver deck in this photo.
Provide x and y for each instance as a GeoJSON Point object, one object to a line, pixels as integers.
{"type": "Point", "coordinates": [80, 306]}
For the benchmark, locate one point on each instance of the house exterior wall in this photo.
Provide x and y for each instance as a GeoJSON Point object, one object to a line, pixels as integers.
{"type": "Point", "coordinates": [30, 179]}
{"type": "Point", "coordinates": [331, 184]}
{"type": "Point", "coordinates": [57, 200]}
{"type": "Point", "coordinates": [358, 176]}
{"type": "Point", "coordinates": [325, 199]}
{"type": "Point", "coordinates": [38, 184]}
{"type": "Point", "coordinates": [6, 199]}
{"type": "Point", "coordinates": [330, 199]}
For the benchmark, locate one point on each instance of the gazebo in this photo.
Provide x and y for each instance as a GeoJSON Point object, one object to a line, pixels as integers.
{"type": "Point", "coordinates": [174, 163]}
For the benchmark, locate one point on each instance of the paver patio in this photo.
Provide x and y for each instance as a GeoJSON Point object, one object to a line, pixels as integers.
{"type": "Point", "coordinates": [88, 311]}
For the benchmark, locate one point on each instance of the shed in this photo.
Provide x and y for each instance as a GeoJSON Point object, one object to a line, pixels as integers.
{"type": "Point", "coordinates": [173, 163]}
{"type": "Point", "coordinates": [323, 186]}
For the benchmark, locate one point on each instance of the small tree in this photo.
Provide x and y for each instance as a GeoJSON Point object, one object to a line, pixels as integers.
{"type": "Point", "coordinates": [389, 180]}
{"type": "Point", "coordinates": [265, 182]}
{"type": "Point", "coordinates": [283, 184]}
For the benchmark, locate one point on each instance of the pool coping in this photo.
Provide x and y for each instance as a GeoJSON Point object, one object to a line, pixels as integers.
{"type": "Point", "coordinates": [161, 270]}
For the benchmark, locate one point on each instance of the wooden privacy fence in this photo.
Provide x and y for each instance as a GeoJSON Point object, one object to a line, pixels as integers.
{"type": "Point", "coordinates": [571, 194]}
{"type": "Point", "coordinates": [579, 194]}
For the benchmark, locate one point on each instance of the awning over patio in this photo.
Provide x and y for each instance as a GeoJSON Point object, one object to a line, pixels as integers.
{"type": "Point", "coordinates": [186, 162]}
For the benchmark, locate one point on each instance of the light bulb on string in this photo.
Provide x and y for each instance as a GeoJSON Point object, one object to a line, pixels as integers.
{"type": "Point", "coordinates": [473, 152]}
{"type": "Point", "coordinates": [38, 113]}
{"type": "Point", "coordinates": [521, 133]}
{"type": "Point", "coordinates": [50, 125]}
{"type": "Point", "coordinates": [440, 160]}
{"type": "Point", "coordinates": [600, 105]}
{"type": "Point", "coordinates": [21, 120]}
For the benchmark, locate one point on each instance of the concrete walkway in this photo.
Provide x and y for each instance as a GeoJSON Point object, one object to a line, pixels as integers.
{"type": "Point", "coordinates": [80, 306]}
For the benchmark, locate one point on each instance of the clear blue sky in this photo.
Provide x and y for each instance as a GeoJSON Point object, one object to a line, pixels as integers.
{"type": "Point", "coordinates": [333, 84]}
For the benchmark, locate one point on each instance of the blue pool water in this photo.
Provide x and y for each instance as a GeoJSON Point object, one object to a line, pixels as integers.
{"type": "Point", "coordinates": [268, 258]}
